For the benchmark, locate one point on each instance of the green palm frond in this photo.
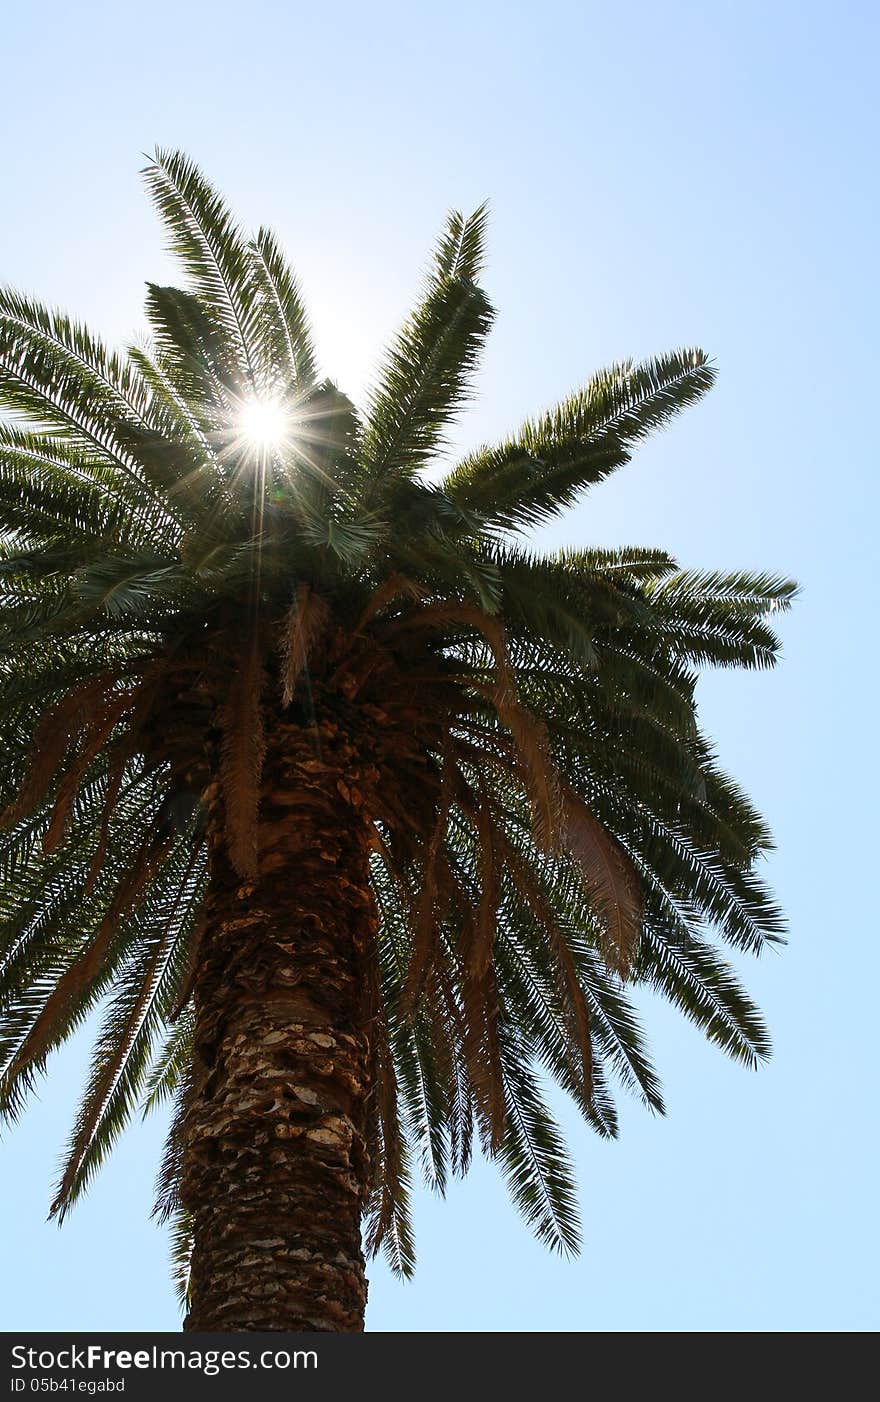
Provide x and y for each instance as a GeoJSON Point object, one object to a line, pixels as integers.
{"type": "Point", "coordinates": [75, 352]}
{"type": "Point", "coordinates": [214, 252]}
{"type": "Point", "coordinates": [285, 331]}
{"type": "Point", "coordinates": [460, 249]}
{"type": "Point", "coordinates": [427, 374]}
{"type": "Point", "coordinates": [690, 974]}
{"type": "Point", "coordinates": [534, 1160]}
{"type": "Point", "coordinates": [181, 1253]}
{"type": "Point", "coordinates": [171, 1063]}
{"type": "Point", "coordinates": [193, 357]}
{"type": "Point", "coordinates": [577, 444]}
{"type": "Point", "coordinates": [50, 488]}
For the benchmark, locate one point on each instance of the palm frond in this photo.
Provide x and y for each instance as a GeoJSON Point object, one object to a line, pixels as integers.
{"type": "Point", "coordinates": [213, 250]}
{"type": "Point", "coordinates": [533, 1158]}
{"type": "Point", "coordinates": [424, 381]}
{"type": "Point", "coordinates": [554, 457]}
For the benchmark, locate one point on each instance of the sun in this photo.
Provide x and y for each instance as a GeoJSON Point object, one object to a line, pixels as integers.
{"type": "Point", "coordinates": [263, 423]}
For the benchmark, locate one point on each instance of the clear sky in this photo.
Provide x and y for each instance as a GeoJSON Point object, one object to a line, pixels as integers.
{"type": "Point", "coordinates": [659, 175]}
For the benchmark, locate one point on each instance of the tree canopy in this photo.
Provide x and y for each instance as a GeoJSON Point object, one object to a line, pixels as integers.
{"type": "Point", "coordinates": [551, 828]}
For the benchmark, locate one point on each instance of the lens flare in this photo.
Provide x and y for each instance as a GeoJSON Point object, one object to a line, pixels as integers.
{"type": "Point", "coordinates": [263, 424]}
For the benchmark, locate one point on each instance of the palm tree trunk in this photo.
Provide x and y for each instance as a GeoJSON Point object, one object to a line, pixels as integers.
{"type": "Point", "coordinates": [275, 1167]}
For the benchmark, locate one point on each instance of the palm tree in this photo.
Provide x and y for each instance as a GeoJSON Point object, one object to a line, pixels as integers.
{"type": "Point", "coordinates": [354, 816]}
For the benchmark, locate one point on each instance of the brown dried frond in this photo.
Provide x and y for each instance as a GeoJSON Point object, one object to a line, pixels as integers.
{"type": "Point", "coordinates": [489, 626]}
{"type": "Point", "coordinates": [535, 763]}
{"type": "Point", "coordinates": [430, 617]}
{"type": "Point", "coordinates": [57, 730]}
{"type": "Point", "coordinates": [528, 732]}
{"type": "Point", "coordinates": [302, 627]}
{"type": "Point", "coordinates": [115, 775]}
{"type": "Point", "coordinates": [396, 586]}
{"type": "Point", "coordinates": [242, 751]}
{"type": "Point", "coordinates": [494, 633]}
{"type": "Point", "coordinates": [123, 750]}
{"type": "Point", "coordinates": [97, 730]}
{"type": "Point", "coordinates": [479, 1032]}
{"type": "Point", "coordinates": [611, 878]}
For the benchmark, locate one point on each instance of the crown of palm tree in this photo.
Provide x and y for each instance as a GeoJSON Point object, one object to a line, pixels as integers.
{"type": "Point", "coordinates": [203, 539]}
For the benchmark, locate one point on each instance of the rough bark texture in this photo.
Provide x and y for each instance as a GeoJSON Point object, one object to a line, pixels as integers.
{"type": "Point", "coordinates": [276, 1170]}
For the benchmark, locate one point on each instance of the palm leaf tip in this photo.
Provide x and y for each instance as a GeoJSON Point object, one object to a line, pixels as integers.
{"type": "Point", "coordinates": [461, 247]}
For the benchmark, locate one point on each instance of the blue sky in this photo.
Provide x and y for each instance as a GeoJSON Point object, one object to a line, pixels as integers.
{"type": "Point", "coordinates": [658, 175]}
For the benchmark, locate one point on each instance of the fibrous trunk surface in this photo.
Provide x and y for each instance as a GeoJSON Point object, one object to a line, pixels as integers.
{"type": "Point", "coordinates": [275, 1168]}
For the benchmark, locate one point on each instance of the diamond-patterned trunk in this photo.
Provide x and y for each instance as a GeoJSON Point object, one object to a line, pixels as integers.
{"type": "Point", "coordinates": [276, 1170]}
